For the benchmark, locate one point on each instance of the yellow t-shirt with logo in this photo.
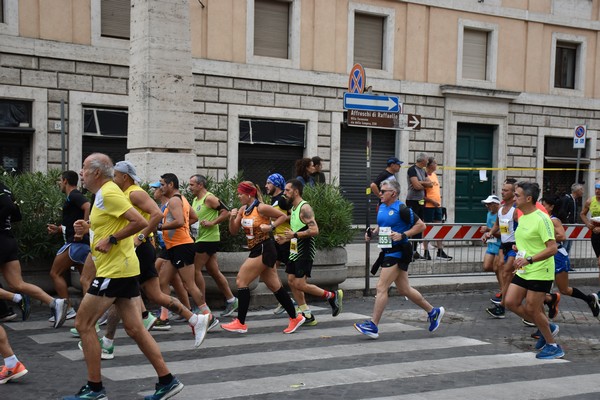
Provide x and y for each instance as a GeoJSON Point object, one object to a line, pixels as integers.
{"type": "Point", "coordinates": [106, 219]}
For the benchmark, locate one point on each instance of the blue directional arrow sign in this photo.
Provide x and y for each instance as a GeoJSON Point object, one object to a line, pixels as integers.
{"type": "Point", "coordinates": [369, 102]}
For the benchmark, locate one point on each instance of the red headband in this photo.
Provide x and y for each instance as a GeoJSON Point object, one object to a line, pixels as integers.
{"type": "Point", "coordinates": [246, 188]}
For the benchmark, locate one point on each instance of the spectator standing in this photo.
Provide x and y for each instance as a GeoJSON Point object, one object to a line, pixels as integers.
{"type": "Point", "coordinates": [318, 176]}
{"type": "Point", "coordinates": [415, 199]}
{"type": "Point", "coordinates": [433, 209]}
{"type": "Point", "coordinates": [304, 171]}
{"type": "Point", "coordinates": [393, 166]}
{"type": "Point", "coordinates": [568, 207]}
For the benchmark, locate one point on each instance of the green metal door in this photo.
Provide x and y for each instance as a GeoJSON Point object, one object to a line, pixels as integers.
{"type": "Point", "coordinates": [474, 149]}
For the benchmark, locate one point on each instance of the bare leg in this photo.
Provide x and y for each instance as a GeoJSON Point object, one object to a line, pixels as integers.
{"type": "Point", "coordinates": [12, 273]}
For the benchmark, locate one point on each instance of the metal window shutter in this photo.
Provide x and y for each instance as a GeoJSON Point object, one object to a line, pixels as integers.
{"type": "Point", "coordinates": [258, 161]}
{"type": "Point", "coordinates": [368, 40]}
{"type": "Point", "coordinates": [271, 22]}
{"type": "Point", "coordinates": [115, 18]}
{"type": "Point", "coordinates": [474, 54]}
{"type": "Point", "coordinates": [353, 169]}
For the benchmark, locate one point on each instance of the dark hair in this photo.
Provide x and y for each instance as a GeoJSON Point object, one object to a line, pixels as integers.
{"type": "Point", "coordinates": [296, 184]}
{"type": "Point", "coordinates": [556, 204]}
{"type": "Point", "coordinates": [316, 160]}
{"type": "Point", "coordinates": [169, 177]}
{"type": "Point", "coordinates": [430, 161]}
{"type": "Point", "coordinates": [510, 181]}
{"type": "Point", "coordinates": [200, 179]}
{"type": "Point", "coordinates": [302, 166]}
{"type": "Point", "coordinates": [71, 177]}
{"type": "Point", "coordinates": [530, 189]}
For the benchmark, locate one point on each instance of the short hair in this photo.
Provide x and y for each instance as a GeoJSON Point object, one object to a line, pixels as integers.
{"type": "Point", "coordinates": [171, 178]}
{"type": "Point", "coordinates": [101, 162]}
{"type": "Point", "coordinates": [430, 161]}
{"type": "Point", "coordinates": [556, 204]}
{"type": "Point", "coordinates": [316, 160]}
{"type": "Point", "coordinates": [530, 189]}
{"type": "Point", "coordinates": [422, 157]}
{"type": "Point", "coordinates": [71, 177]}
{"type": "Point", "coordinates": [510, 181]}
{"type": "Point", "coordinates": [296, 184]}
{"type": "Point", "coordinates": [200, 179]}
{"type": "Point", "coordinates": [576, 186]}
{"type": "Point", "coordinates": [394, 184]}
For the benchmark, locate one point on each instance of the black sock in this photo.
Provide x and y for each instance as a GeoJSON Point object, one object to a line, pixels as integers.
{"type": "Point", "coordinates": [165, 380]}
{"type": "Point", "coordinates": [244, 303]}
{"type": "Point", "coordinates": [578, 294]}
{"type": "Point", "coordinates": [95, 386]}
{"type": "Point", "coordinates": [145, 314]}
{"type": "Point", "coordinates": [285, 300]}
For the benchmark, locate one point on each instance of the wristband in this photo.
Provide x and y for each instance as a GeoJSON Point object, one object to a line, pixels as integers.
{"type": "Point", "coordinates": [296, 235]}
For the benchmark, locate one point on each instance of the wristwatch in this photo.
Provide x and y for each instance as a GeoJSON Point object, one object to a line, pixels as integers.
{"type": "Point", "coordinates": [296, 235]}
{"type": "Point", "coordinates": [529, 260]}
{"type": "Point", "coordinates": [112, 240]}
{"type": "Point", "coordinates": [141, 237]}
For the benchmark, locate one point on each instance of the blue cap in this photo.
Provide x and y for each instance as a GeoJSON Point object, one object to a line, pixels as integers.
{"type": "Point", "coordinates": [394, 160]}
{"type": "Point", "coordinates": [154, 185]}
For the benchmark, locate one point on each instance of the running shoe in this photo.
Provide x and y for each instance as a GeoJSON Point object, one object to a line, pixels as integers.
{"type": "Point", "coordinates": [107, 353]}
{"type": "Point", "coordinates": [200, 328]}
{"type": "Point", "coordinates": [76, 334]}
{"type": "Point", "coordinates": [497, 311]}
{"type": "Point", "coordinates": [213, 322]}
{"type": "Point", "coordinates": [536, 334]}
{"type": "Point", "coordinates": [367, 328]}
{"type": "Point", "coordinates": [71, 313]}
{"type": "Point", "coordinates": [541, 341]}
{"type": "Point", "coordinates": [527, 323]}
{"type": "Point", "coordinates": [87, 393]}
{"type": "Point", "coordinates": [550, 352]}
{"type": "Point", "coordinates": [280, 310]}
{"type": "Point", "coordinates": [443, 256]}
{"type": "Point", "coordinates": [149, 321]}
{"type": "Point", "coordinates": [166, 391]}
{"type": "Point", "coordinates": [435, 317]}
{"type": "Point", "coordinates": [9, 316]}
{"type": "Point", "coordinates": [173, 317]}
{"type": "Point", "coordinates": [497, 299]}
{"type": "Point", "coordinates": [9, 374]}
{"type": "Point", "coordinates": [59, 309]}
{"type": "Point", "coordinates": [310, 320]}
{"type": "Point", "coordinates": [230, 308]}
{"type": "Point", "coordinates": [162, 325]}
{"type": "Point", "coordinates": [553, 305]}
{"type": "Point", "coordinates": [25, 307]}
{"type": "Point", "coordinates": [336, 303]}
{"type": "Point", "coordinates": [295, 323]}
{"type": "Point", "coordinates": [235, 326]}
{"type": "Point", "coordinates": [594, 304]}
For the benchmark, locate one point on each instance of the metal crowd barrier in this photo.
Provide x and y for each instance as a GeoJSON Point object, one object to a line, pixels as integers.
{"type": "Point", "coordinates": [463, 243]}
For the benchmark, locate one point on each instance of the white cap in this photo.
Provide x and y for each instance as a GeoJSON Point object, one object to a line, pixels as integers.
{"type": "Point", "coordinates": [491, 199]}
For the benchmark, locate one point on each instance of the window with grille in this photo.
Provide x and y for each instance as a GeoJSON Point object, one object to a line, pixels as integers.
{"type": "Point", "coordinates": [271, 28]}
{"type": "Point", "coordinates": [475, 54]}
{"type": "Point", "coordinates": [105, 131]}
{"type": "Point", "coordinates": [115, 18]}
{"type": "Point", "coordinates": [565, 65]}
{"type": "Point", "coordinates": [16, 135]}
{"type": "Point", "coordinates": [368, 40]}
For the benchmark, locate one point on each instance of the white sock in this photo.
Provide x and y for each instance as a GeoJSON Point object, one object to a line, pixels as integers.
{"type": "Point", "coordinates": [193, 319]}
{"type": "Point", "coordinates": [17, 298]}
{"type": "Point", "coordinates": [11, 361]}
{"type": "Point", "coordinates": [231, 300]}
{"type": "Point", "coordinates": [107, 342]}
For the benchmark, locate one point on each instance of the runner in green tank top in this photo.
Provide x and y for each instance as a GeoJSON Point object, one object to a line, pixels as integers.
{"type": "Point", "coordinates": [211, 212]}
{"type": "Point", "coordinates": [302, 253]}
{"type": "Point", "coordinates": [592, 206]}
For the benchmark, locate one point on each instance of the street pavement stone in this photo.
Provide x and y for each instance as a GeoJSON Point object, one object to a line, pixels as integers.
{"type": "Point", "coordinates": [314, 361]}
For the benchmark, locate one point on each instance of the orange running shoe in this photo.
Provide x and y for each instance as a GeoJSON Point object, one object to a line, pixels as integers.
{"type": "Point", "coordinates": [295, 323]}
{"type": "Point", "coordinates": [7, 374]}
{"type": "Point", "coordinates": [553, 305]}
{"type": "Point", "coordinates": [235, 326]}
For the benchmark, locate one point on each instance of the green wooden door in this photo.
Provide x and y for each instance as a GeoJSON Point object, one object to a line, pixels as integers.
{"type": "Point", "coordinates": [474, 149]}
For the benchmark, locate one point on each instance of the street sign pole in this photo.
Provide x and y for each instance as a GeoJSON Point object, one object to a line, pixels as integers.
{"type": "Point", "coordinates": [577, 167]}
{"type": "Point", "coordinates": [368, 222]}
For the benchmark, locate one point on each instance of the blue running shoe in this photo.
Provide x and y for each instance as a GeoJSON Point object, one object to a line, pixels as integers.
{"type": "Point", "coordinates": [166, 391]}
{"type": "Point", "coordinates": [550, 352]}
{"type": "Point", "coordinates": [87, 393]}
{"type": "Point", "coordinates": [541, 341]}
{"type": "Point", "coordinates": [435, 317]}
{"type": "Point", "coordinates": [25, 306]}
{"type": "Point", "coordinates": [367, 328]}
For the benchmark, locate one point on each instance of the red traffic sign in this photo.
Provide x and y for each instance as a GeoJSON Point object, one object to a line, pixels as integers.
{"type": "Point", "coordinates": [579, 137]}
{"type": "Point", "coordinates": [357, 79]}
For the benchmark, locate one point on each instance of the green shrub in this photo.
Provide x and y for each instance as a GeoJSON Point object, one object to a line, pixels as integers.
{"type": "Point", "coordinates": [40, 201]}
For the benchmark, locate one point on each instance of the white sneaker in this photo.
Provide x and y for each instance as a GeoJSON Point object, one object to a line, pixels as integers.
{"type": "Point", "coordinates": [71, 313]}
{"type": "Point", "coordinates": [60, 312]}
{"type": "Point", "coordinates": [200, 328]}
